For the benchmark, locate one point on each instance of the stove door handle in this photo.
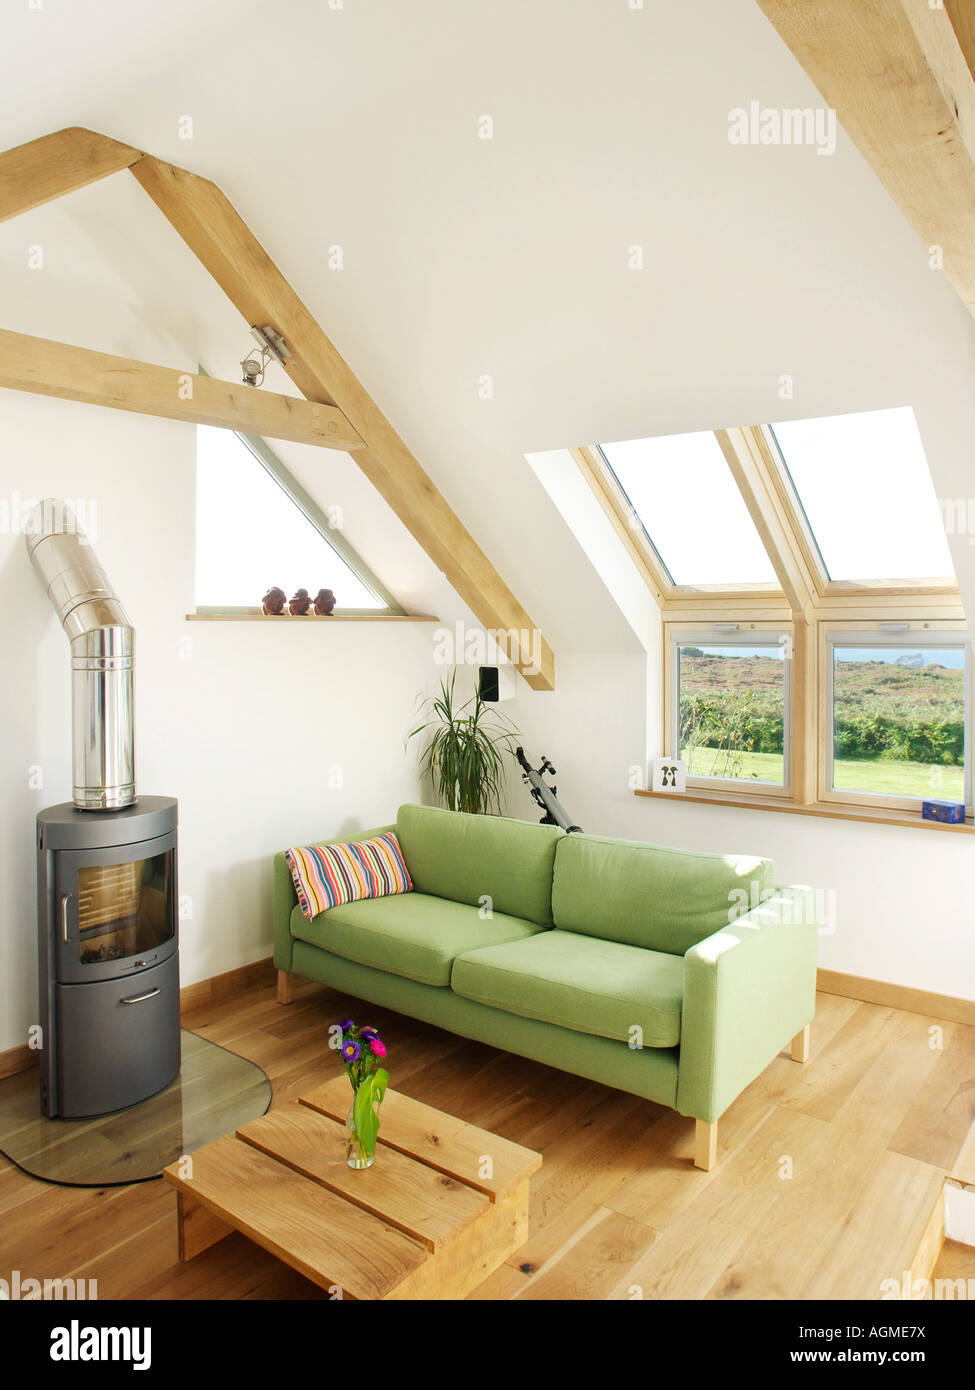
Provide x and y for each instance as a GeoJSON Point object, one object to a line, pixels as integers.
{"type": "Point", "coordinates": [65, 899]}
{"type": "Point", "coordinates": [138, 998]}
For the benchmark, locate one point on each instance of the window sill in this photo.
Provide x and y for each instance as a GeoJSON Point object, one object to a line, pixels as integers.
{"type": "Point", "coordinates": [825, 810]}
{"type": "Point", "coordinates": [310, 619]}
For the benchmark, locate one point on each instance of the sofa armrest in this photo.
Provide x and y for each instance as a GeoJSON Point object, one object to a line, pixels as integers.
{"type": "Point", "coordinates": [284, 898]}
{"type": "Point", "coordinates": [748, 989]}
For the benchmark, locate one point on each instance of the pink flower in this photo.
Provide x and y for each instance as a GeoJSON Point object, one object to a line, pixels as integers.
{"type": "Point", "coordinates": [379, 1048]}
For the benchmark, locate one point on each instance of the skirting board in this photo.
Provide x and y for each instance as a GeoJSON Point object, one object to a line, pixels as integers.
{"type": "Point", "coordinates": [914, 1001]}
{"type": "Point", "coordinates": [217, 990]}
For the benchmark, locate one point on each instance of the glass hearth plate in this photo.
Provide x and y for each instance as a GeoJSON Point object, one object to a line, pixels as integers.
{"type": "Point", "coordinates": [214, 1093]}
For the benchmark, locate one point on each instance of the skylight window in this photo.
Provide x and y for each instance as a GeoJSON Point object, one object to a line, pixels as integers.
{"type": "Point", "coordinates": [864, 484]}
{"type": "Point", "coordinates": [682, 492]}
{"type": "Point", "coordinates": [252, 536]}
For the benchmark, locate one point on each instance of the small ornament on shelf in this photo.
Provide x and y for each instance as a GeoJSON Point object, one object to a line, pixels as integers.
{"type": "Point", "coordinates": [272, 604]}
{"type": "Point", "coordinates": [947, 812]}
{"type": "Point", "coordinates": [299, 604]}
{"type": "Point", "coordinates": [324, 603]}
{"type": "Point", "coordinates": [668, 775]}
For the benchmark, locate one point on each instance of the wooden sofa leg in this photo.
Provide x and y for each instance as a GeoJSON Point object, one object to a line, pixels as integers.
{"type": "Point", "coordinates": [705, 1145]}
{"type": "Point", "coordinates": [800, 1046]}
{"type": "Point", "coordinates": [286, 987]}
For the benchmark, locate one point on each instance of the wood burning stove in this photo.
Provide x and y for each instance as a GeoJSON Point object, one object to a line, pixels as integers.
{"type": "Point", "coordinates": [108, 955]}
{"type": "Point", "coordinates": [108, 936]}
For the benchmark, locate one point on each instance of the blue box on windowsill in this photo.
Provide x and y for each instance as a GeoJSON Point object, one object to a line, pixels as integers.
{"type": "Point", "coordinates": [948, 812]}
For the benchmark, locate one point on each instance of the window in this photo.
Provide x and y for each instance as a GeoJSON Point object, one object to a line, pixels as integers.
{"type": "Point", "coordinates": [256, 529]}
{"type": "Point", "coordinates": [865, 488]}
{"type": "Point", "coordinates": [815, 651]}
{"type": "Point", "coordinates": [729, 706]}
{"type": "Point", "coordinates": [690, 509]}
{"type": "Point", "coordinates": [898, 725]}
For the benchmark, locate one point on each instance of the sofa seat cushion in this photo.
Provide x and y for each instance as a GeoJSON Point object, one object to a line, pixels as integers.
{"type": "Point", "coordinates": [579, 982]}
{"type": "Point", "coordinates": [409, 934]}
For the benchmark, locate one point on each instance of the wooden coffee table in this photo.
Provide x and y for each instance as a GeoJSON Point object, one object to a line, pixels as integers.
{"type": "Point", "coordinates": [443, 1205]}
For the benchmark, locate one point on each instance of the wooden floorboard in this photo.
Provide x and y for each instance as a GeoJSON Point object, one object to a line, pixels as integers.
{"type": "Point", "coordinates": [826, 1175]}
{"type": "Point", "coordinates": [941, 1118]}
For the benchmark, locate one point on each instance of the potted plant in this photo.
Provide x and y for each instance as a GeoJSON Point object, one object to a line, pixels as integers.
{"type": "Point", "coordinates": [464, 756]}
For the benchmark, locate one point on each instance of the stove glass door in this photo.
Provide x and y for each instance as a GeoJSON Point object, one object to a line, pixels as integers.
{"type": "Point", "coordinates": [125, 909]}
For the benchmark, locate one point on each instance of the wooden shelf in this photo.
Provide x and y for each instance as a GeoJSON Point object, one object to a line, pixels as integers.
{"type": "Point", "coordinates": [873, 816]}
{"type": "Point", "coordinates": [311, 619]}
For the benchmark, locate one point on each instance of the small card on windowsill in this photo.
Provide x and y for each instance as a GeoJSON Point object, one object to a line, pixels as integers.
{"type": "Point", "coordinates": [668, 775]}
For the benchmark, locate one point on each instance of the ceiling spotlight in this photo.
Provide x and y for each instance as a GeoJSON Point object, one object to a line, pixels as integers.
{"type": "Point", "coordinates": [272, 345]}
{"type": "Point", "coordinates": [253, 370]}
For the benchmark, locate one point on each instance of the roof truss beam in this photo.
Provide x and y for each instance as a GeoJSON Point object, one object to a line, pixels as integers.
{"type": "Point", "coordinates": [899, 75]}
{"type": "Point", "coordinates": [57, 164]}
{"type": "Point", "coordinates": [45, 169]}
{"type": "Point", "coordinates": [48, 368]}
{"type": "Point", "coordinates": [216, 234]}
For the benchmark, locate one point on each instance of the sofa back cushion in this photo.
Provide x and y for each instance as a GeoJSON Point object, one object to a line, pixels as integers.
{"type": "Point", "coordinates": [469, 858]}
{"type": "Point", "coordinates": [645, 895]}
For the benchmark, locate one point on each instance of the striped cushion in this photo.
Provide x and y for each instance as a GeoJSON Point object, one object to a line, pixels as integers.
{"type": "Point", "coordinates": [327, 875]}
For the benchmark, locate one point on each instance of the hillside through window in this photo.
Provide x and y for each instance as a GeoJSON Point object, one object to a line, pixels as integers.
{"type": "Point", "coordinates": [731, 703]}
{"type": "Point", "coordinates": [898, 725]}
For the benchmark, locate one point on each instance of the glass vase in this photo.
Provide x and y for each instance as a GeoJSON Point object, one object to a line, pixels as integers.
{"type": "Point", "coordinates": [355, 1154]}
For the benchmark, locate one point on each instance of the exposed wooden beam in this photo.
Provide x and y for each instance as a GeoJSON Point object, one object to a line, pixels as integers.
{"type": "Point", "coordinates": [214, 231]}
{"type": "Point", "coordinates": [892, 69]}
{"type": "Point", "coordinates": [939, 43]}
{"type": "Point", "coordinates": [753, 470]}
{"type": "Point", "coordinates": [56, 164]}
{"type": "Point", "coordinates": [77, 374]}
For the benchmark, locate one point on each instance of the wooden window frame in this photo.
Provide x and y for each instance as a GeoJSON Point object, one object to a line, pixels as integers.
{"type": "Point", "coordinates": [678, 634]}
{"type": "Point", "coordinates": [953, 634]}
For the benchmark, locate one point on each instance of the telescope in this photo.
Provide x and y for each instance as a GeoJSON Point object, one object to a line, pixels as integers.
{"type": "Point", "coordinates": [544, 795]}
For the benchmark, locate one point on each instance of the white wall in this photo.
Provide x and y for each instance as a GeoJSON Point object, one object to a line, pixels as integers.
{"type": "Point", "coordinates": [590, 727]}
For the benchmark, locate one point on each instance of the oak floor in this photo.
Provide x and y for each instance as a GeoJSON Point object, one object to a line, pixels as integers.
{"type": "Point", "coordinates": [826, 1176]}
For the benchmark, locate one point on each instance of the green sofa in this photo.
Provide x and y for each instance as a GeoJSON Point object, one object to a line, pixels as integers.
{"type": "Point", "coordinates": [673, 975]}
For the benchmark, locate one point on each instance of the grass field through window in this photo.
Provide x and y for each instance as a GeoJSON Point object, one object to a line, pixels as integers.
{"type": "Point", "coordinates": [880, 777]}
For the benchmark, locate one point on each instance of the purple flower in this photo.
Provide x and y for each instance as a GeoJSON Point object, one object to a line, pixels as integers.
{"type": "Point", "coordinates": [346, 1025]}
{"type": "Point", "coordinates": [368, 1033]}
{"type": "Point", "coordinates": [350, 1051]}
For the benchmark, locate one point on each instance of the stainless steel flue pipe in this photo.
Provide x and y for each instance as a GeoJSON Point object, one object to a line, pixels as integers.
{"type": "Point", "coordinates": [102, 645]}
